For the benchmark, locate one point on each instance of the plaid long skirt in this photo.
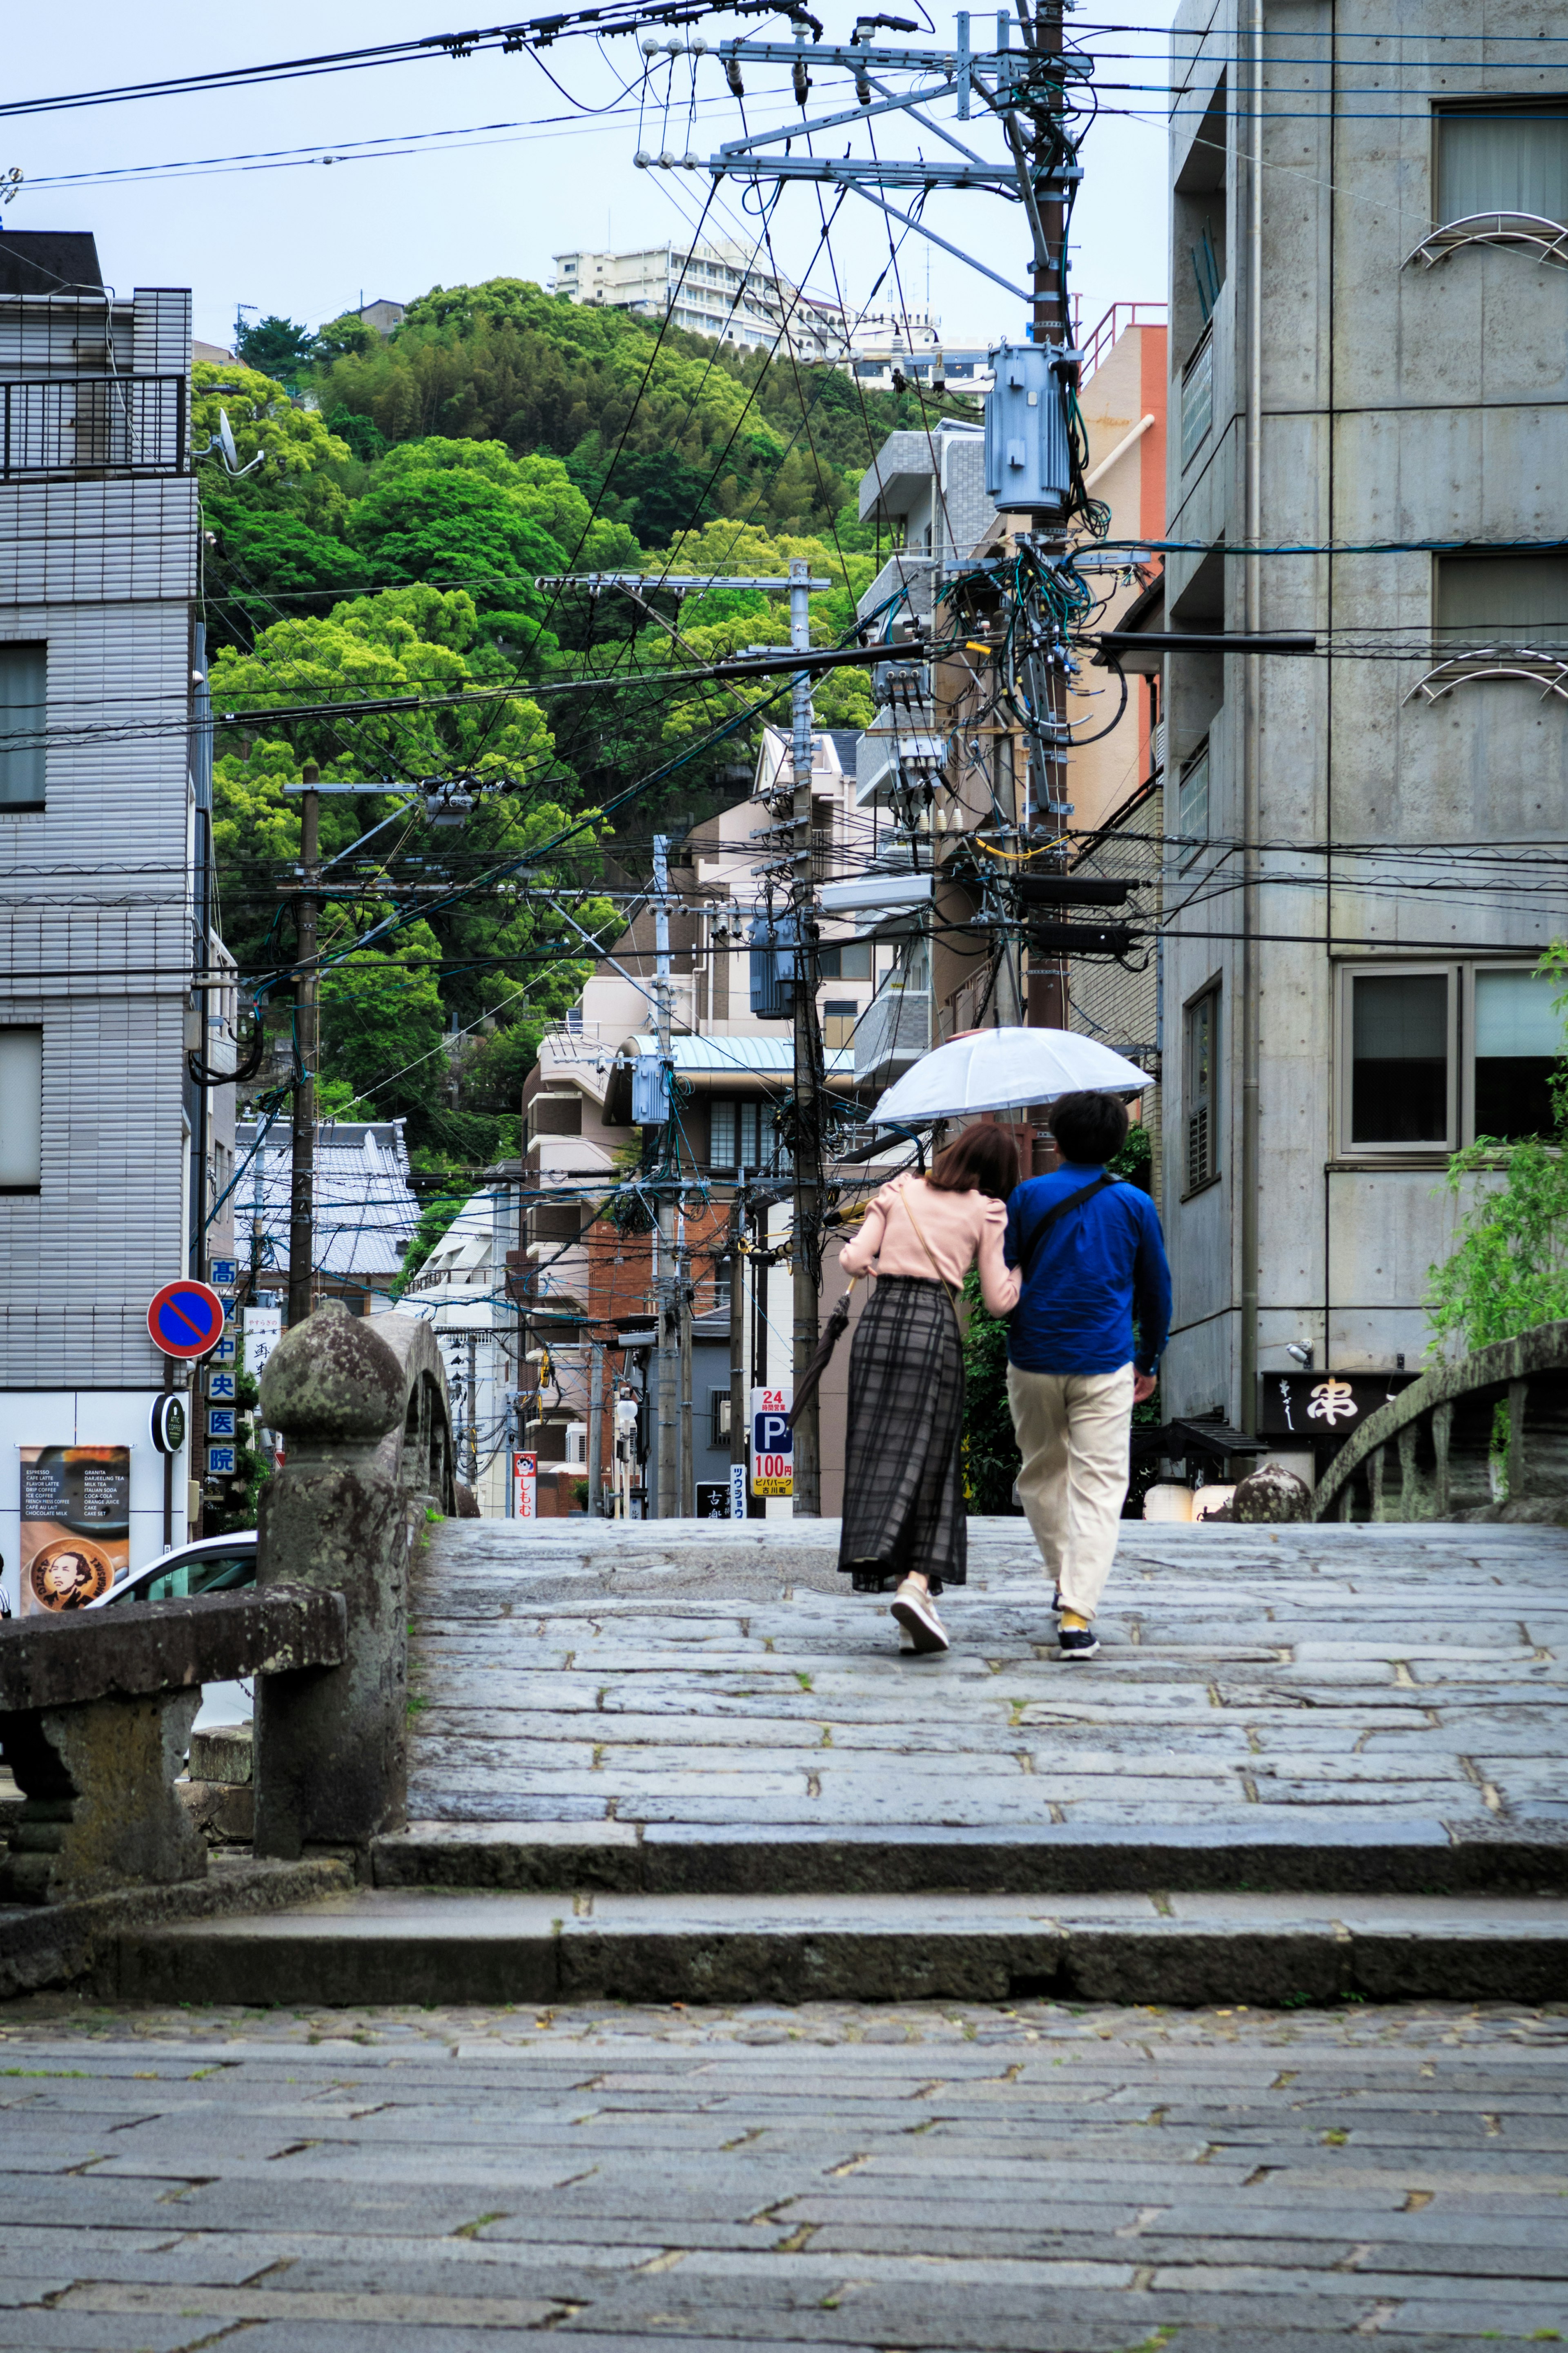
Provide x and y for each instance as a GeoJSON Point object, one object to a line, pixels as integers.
{"type": "Point", "coordinates": [904, 1508]}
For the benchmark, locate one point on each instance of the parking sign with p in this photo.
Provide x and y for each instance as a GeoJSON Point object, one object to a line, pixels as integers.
{"type": "Point", "coordinates": [773, 1441]}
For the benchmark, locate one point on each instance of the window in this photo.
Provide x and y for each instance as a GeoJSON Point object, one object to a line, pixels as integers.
{"type": "Point", "coordinates": [204, 1572]}
{"type": "Point", "coordinates": [838, 1019]}
{"type": "Point", "coordinates": [1518, 1041]}
{"type": "Point", "coordinates": [1200, 1077]}
{"type": "Point", "coordinates": [741, 1137]}
{"type": "Point", "coordinates": [21, 1110]}
{"type": "Point", "coordinates": [850, 960]}
{"type": "Point", "coordinates": [718, 1417]}
{"type": "Point", "coordinates": [1506, 160]}
{"type": "Point", "coordinates": [22, 688]}
{"type": "Point", "coordinates": [1502, 600]}
{"type": "Point", "coordinates": [1192, 805]}
{"type": "Point", "coordinates": [1401, 1026]}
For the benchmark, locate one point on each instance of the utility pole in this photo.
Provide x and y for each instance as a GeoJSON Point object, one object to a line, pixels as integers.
{"type": "Point", "coordinates": [472, 1401]}
{"type": "Point", "coordinates": [810, 1077]}
{"type": "Point", "coordinates": [688, 1435]}
{"type": "Point", "coordinates": [595, 1428]}
{"type": "Point", "coordinates": [307, 1056]}
{"type": "Point", "coordinates": [738, 1399]}
{"type": "Point", "coordinates": [665, 1290]}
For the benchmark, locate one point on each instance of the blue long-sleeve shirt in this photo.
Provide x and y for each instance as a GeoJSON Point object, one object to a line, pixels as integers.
{"type": "Point", "coordinates": [1096, 1268]}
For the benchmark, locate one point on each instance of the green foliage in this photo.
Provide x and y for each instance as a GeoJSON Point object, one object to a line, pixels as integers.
{"type": "Point", "coordinates": [991, 1456]}
{"type": "Point", "coordinates": [340, 337]}
{"type": "Point", "coordinates": [1508, 1269]}
{"type": "Point", "coordinates": [362, 434]}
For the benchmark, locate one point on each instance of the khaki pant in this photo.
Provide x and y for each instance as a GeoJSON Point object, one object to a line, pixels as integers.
{"type": "Point", "coordinates": [1073, 1432]}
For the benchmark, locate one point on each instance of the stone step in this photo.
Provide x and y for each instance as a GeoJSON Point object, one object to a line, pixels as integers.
{"type": "Point", "coordinates": [1319, 1850]}
{"type": "Point", "coordinates": [407, 1947]}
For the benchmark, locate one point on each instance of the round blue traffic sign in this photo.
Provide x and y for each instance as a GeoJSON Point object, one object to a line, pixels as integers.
{"type": "Point", "coordinates": [185, 1319]}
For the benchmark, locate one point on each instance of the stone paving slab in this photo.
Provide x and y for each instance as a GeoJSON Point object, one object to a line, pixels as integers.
{"type": "Point", "coordinates": [1383, 1699]}
{"type": "Point", "coordinates": [1030, 2178]}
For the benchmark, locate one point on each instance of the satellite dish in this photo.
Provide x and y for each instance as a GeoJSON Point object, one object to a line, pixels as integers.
{"type": "Point", "coordinates": [225, 435]}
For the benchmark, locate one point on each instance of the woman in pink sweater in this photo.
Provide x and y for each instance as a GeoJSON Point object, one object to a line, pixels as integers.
{"type": "Point", "coordinates": [903, 1500]}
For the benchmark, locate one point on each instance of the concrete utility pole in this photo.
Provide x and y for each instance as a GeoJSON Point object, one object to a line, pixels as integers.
{"type": "Point", "coordinates": [595, 1428]}
{"type": "Point", "coordinates": [810, 1077]}
{"type": "Point", "coordinates": [738, 1399]}
{"type": "Point", "coordinates": [665, 1288]}
{"type": "Point", "coordinates": [307, 1057]}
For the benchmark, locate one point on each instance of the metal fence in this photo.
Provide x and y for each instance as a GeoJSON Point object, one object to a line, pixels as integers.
{"type": "Point", "coordinates": [92, 424]}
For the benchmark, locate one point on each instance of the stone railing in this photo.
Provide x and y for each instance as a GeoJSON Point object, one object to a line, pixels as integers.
{"type": "Point", "coordinates": [95, 1715]}
{"type": "Point", "coordinates": [1440, 1451]}
{"type": "Point", "coordinates": [96, 1711]}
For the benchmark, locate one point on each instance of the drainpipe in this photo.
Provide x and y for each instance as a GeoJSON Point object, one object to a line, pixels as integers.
{"type": "Point", "coordinates": [1252, 755]}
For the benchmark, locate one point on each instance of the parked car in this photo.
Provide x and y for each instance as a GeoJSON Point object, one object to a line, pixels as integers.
{"type": "Point", "coordinates": [212, 1565]}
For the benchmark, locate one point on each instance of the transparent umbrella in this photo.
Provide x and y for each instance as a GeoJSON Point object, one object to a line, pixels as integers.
{"type": "Point", "coordinates": [1003, 1070]}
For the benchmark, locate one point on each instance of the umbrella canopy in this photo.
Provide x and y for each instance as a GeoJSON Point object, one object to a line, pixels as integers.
{"type": "Point", "coordinates": [1003, 1070]}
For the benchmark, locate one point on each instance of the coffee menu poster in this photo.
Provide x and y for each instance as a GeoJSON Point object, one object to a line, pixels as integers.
{"type": "Point", "coordinates": [75, 1524]}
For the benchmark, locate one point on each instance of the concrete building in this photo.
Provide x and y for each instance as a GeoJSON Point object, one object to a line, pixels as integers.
{"type": "Point", "coordinates": [1370, 362]}
{"type": "Point", "coordinates": [107, 957]}
{"type": "Point", "coordinates": [719, 288]}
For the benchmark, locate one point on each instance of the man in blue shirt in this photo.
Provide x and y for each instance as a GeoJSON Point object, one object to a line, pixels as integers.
{"type": "Point", "coordinates": [1093, 1263]}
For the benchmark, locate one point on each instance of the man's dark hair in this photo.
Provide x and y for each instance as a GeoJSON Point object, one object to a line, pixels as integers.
{"type": "Point", "coordinates": [1089, 1128]}
{"type": "Point", "coordinates": [984, 1159]}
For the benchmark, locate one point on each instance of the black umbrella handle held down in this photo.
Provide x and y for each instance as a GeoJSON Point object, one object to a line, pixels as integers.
{"type": "Point", "coordinates": [833, 1332]}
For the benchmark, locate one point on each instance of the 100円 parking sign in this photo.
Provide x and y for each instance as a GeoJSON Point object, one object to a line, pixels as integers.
{"type": "Point", "coordinates": [773, 1441]}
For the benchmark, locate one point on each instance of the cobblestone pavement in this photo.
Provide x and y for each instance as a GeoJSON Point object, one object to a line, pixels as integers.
{"type": "Point", "coordinates": [907, 2179]}
{"type": "Point", "coordinates": [1335, 1683]}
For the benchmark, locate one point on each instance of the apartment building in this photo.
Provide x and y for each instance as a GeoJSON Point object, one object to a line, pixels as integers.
{"type": "Point", "coordinates": [1370, 365]}
{"type": "Point", "coordinates": [110, 980]}
{"type": "Point", "coordinates": [719, 288]}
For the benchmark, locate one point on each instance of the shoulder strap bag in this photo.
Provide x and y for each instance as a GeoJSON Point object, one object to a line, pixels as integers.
{"type": "Point", "coordinates": [1059, 1209]}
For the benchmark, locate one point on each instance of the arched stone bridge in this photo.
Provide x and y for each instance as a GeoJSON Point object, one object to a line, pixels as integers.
{"type": "Point", "coordinates": [1484, 1439]}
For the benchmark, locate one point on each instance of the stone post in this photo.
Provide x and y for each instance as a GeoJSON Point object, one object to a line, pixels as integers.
{"type": "Point", "coordinates": [331, 1746]}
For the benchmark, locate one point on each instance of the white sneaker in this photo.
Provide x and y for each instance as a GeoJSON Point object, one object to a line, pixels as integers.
{"type": "Point", "coordinates": [914, 1611]}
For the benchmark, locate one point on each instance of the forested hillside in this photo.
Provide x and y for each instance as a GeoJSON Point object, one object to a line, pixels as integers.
{"type": "Point", "coordinates": [387, 546]}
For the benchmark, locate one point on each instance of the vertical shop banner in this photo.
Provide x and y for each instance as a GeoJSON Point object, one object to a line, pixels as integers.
{"type": "Point", "coordinates": [525, 1486]}
{"type": "Point", "coordinates": [263, 1331]}
{"type": "Point", "coordinates": [75, 1524]}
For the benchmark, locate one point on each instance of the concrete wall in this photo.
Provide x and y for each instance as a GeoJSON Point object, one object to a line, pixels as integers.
{"type": "Point", "coordinates": [1399, 403]}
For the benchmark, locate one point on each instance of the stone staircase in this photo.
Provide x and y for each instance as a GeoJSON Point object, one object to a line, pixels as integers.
{"type": "Point", "coordinates": [681, 1762]}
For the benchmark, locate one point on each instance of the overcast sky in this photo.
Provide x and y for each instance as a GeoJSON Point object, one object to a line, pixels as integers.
{"type": "Point", "coordinates": [307, 239]}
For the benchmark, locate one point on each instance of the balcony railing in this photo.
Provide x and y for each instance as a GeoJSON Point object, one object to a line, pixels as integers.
{"type": "Point", "coordinates": [893, 1032]}
{"type": "Point", "coordinates": [1099, 344]}
{"type": "Point", "coordinates": [94, 425]}
{"type": "Point", "coordinates": [1197, 399]}
{"type": "Point", "coordinates": [902, 570]}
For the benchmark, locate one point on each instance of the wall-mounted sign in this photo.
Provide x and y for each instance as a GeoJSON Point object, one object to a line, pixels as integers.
{"type": "Point", "coordinates": [75, 1524]}
{"type": "Point", "coordinates": [220, 1462]}
{"type": "Point", "coordinates": [713, 1499]}
{"type": "Point", "coordinates": [223, 1389]}
{"type": "Point", "coordinates": [1324, 1404]}
{"type": "Point", "coordinates": [737, 1491]}
{"type": "Point", "coordinates": [168, 1424]}
{"type": "Point", "coordinates": [263, 1331]}
{"type": "Point", "coordinates": [773, 1441]}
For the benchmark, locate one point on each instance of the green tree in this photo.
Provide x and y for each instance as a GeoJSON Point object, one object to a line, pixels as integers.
{"type": "Point", "coordinates": [1508, 1269]}
{"type": "Point", "coordinates": [274, 346]}
{"type": "Point", "coordinates": [342, 336]}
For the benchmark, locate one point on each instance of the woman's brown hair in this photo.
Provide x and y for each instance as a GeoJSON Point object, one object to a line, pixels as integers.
{"type": "Point", "coordinates": [982, 1159]}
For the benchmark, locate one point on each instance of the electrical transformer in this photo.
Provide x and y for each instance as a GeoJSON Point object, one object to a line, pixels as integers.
{"type": "Point", "coordinates": [650, 1090]}
{"type": "Point", "coordinates": [1027, 464]}
{"type": "Point", "coordinates": [772, 942]}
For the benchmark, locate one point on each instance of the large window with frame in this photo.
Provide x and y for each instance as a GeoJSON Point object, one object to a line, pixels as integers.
{"type": "Point", "coordinates": [21, 1110]}
{"type": "Point", "coordinates": [23, 687]}
{"type": "Point", "coordinates": [1508, 599]}
{"type": "Point", "coordinates": [1437, 1055]}
{"type": "Point", "coordinates": [1200, 1088]}
{"type": "Point", "coordinates": [1502, 159]}
{"type": "Point", "coordinates": [744, 1139]}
